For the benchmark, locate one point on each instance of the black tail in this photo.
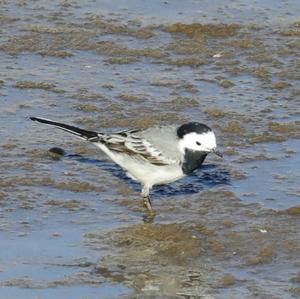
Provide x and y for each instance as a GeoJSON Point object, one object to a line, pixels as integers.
{"type": "Point", "coordinates": [76, 131]}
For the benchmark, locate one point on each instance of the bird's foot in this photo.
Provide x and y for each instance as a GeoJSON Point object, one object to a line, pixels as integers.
{"type": "Point", "coordinates": [151, 213]}
{"type": "Point", "coordinates": [147, 204]}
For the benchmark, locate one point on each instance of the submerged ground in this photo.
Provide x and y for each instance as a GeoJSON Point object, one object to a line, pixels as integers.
{"type": "Point", "coordinates": [74, 226]}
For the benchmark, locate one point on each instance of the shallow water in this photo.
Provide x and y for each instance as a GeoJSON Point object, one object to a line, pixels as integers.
{"type": "Point", "coordinates": [74, 226]}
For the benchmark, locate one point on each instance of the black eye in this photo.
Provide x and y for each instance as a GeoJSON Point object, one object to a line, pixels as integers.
{"type": "Point", "coordinates": [198, 143]}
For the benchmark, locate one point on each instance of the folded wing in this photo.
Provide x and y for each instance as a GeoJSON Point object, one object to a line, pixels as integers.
{"type": "Point", "coordinates": [130, 143]}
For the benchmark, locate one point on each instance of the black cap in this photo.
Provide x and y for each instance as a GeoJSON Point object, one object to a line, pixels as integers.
{"type": "Point", "coordinates": [192, 127]}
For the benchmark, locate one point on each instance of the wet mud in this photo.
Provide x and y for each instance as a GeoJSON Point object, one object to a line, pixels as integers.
{"type": "Point", "coordinates": [73, 225]}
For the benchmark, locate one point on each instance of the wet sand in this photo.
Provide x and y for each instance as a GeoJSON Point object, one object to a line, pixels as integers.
{"type": "Point", "coordinates": [73, 226]}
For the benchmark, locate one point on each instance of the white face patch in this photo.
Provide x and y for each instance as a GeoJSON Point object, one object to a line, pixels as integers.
{"type": "Point", "coordinates": [198, 142]}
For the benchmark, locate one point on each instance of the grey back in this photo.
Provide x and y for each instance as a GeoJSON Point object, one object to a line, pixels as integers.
{"type": "Point", "coordinates": [163, 138]}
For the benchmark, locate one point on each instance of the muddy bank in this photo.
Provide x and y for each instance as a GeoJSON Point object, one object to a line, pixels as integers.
{"type": "Point", "coordinates": [72, 223]}
{"type": "Point", "coordinates": [205, 251]}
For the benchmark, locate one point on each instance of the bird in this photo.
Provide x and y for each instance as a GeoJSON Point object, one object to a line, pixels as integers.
{"type": "Point", "coordinates": [157, 155]}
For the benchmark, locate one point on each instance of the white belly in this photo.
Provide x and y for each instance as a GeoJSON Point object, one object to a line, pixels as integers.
{"type": "Point", "coordinates": [143, 171]}
{"type": "Point", "coordinates": [154, 175]}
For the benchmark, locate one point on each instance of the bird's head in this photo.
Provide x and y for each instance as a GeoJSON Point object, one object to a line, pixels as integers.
{"type": "Point", "coordinates": [196, 137]}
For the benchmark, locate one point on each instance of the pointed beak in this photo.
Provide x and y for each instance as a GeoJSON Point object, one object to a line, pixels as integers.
{"type": "Point", "coordinates": [216, 152]}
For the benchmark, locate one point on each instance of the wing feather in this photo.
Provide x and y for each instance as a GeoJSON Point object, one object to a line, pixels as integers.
{"type": "Point", "coordinates": [130, 143]}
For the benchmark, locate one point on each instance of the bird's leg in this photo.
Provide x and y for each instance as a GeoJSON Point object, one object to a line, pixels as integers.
{"type": "Point", "coordinates": [147, 204]}
{"type": "Point", "coordinates": [146, 198]}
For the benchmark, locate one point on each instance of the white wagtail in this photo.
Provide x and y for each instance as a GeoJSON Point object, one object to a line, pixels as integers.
{"type": "Point", "coordinates": [157, 155]}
